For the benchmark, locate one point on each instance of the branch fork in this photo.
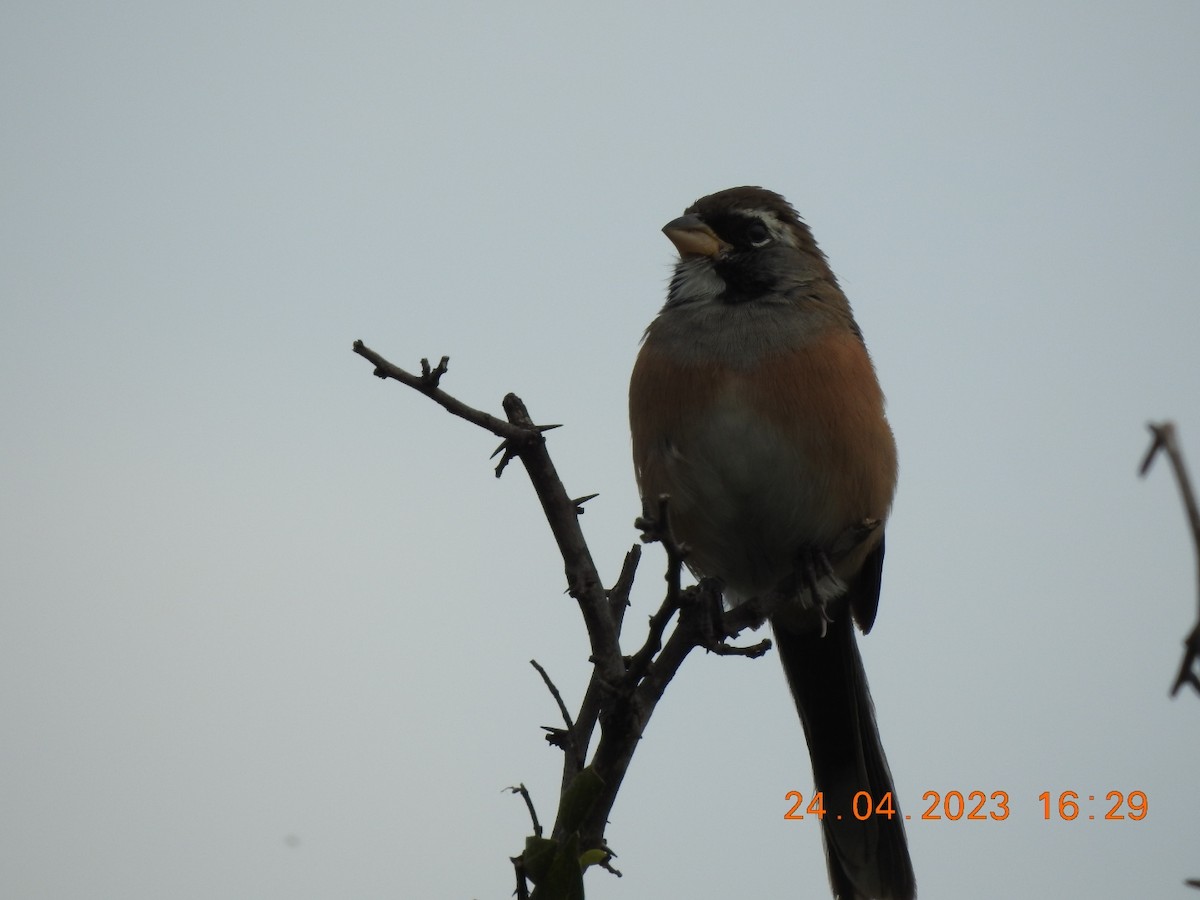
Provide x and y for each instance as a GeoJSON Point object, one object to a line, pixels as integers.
{"type": "Point", "coordinates": [623, 690]}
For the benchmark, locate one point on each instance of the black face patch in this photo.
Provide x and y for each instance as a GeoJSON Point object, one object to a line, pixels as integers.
{"type": "Point", "coordinates": [757, 263]}
{"type": "Point", "coordinates": [746, 278]}
{"type": "Point", "coordinates": [745, 281]}
{"type": "Point", "coordinates": [744, 232]}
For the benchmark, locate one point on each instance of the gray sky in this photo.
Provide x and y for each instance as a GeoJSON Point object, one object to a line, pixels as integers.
{"type": "Point", "coordinates": [265, 621]}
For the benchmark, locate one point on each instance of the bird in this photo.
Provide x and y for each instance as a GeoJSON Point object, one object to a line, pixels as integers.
{"type": "Point", "coordinates": [755, 410]}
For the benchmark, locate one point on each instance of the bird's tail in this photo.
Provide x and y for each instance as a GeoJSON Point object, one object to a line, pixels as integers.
{"type": "Point", "coordinates": [868, 859]}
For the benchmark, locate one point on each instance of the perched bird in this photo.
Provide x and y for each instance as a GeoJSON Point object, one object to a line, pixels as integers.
{"type": "Point", "coordinates": [755, 407]}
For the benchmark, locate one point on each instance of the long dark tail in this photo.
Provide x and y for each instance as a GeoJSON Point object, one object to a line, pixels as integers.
{"type": "Point", "coordinates": [868, 860]}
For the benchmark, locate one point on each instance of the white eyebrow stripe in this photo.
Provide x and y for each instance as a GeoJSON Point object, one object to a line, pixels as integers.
{"type": "Point", "coordinates": [779, 229]}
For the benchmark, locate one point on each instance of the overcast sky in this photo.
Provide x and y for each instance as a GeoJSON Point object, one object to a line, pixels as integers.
{"type": "Point", "coordinates": [265, 621]}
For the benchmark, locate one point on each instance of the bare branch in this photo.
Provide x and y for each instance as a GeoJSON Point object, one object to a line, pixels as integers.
{"type": "Point", "coordinates": [583, 581]}
{"type": "Point", "coordinates": [656, 528]}
{"type": "Point", "coordinates": [562, 707]}
{"type": "Point", "coordinates": [523, 440]}
{"type": "Point", "coordinates": [1164, 441]}
{"type": "Point", "coordinates": [618, 594]}
{"type": "Point", "coordinates": [427, 384]}
{"type": "Point", "coordinates": [522, 889]}
{"type": "Point", "coordinates": [432, 377]}
{"type": "Point", "coordinates": [621, 694]}
{"type": "Point", "coordinates": [524, 792]}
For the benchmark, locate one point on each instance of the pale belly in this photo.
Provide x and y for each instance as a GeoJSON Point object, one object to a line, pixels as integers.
{"type": "Point", "coordinates": [746, 499]}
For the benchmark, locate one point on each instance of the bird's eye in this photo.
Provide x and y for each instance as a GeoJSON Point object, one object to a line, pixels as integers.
{"type": "Point", "coordinates": [758, 234]}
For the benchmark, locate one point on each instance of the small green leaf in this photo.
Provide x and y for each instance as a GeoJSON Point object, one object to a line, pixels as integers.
{"type": "Point", "coordinates": [564, 880]}
{"type": "Point", "coordinates": [538, 856]}
{"type": "Point", "coordinates": [592, 858]}
{"type": "Point", "coordinates": [579, 798]}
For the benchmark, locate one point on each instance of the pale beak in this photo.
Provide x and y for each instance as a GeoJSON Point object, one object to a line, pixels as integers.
{"type": "Point", "coordinates": [692, 237]}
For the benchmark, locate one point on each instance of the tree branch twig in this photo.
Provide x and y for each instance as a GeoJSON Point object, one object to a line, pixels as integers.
{"type": "Point", "coordinates": [621, 693]}
{"type": "Point", "coordinates": [1164, 441]}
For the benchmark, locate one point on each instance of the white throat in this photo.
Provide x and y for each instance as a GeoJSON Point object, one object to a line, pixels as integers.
{"type": "Point", "coordinates": [695, 281]}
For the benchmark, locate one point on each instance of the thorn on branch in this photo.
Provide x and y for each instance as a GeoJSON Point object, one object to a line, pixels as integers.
{"type": "Point", "coordinates": [1187, 668]}
{"type": "Point", "coordinates": [557, 737]}
{"type": "Point", "coordinates": [509, 455]}
{"type": "Point", "coordinates": [1160, 434]}
{"type": "Point", "coordinates": [578, 503]}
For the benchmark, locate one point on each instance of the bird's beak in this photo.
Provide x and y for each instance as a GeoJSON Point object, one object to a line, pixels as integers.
{"type": "Point", "coordinates": [692, 237]}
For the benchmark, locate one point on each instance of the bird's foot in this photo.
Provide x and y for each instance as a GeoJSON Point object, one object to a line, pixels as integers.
{"type": "Point", "coordinates": [818, 584]}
